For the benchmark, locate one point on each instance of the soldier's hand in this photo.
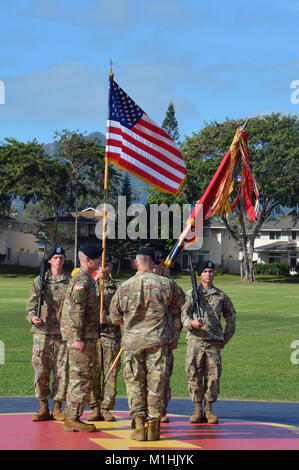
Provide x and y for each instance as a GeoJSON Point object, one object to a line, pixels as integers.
{"type": "Point", "coordinates": [79, 345]}
{"type": "Point", "coordinates": [102, 274]}
{"type": "Point", "coordinates": [36, 321]}
{"type": "Point", "coordinates": [196, 323]}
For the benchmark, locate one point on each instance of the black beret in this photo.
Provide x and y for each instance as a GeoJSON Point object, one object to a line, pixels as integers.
{"type": "Point", "coordinates": [56, 250]}
{"type": "Point", "coordinates": [204, 265]}
{"type": "Point", "coordinates": [91, 251]}
{"type": "Point", "coordinates": [147, 251]}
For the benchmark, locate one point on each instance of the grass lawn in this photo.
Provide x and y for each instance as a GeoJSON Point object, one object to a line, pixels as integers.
{"type": "Point", "coordinates": [256, 363]}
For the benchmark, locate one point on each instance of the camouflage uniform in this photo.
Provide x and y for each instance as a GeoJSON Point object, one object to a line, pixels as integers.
{"type": "Point", "coordinates": [175, 328]}
{"type": "Point", "coordinates": [108, 346]}
{"type": "Point", "coordinates": [80, 322]}
{"type": "Point", "coordinates": [203, 359]}
{"type": "Point", "coordinates": [49, 350]}
{"type": "Point", "coordinates": [142, 303]}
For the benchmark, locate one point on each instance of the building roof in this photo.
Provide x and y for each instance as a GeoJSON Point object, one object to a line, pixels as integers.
{"type": "Point", "coordinates": [21, 220]}
{"type": "Point", "coordinates": [284, 223]}
{"type": "Point", "coordinates": [278, 246]}
{"type": "Point", "coordinates": [89, 215]}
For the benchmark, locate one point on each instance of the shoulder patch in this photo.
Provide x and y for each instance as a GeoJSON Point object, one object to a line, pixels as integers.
{"type": "Point", "coordinates": [79, 287]}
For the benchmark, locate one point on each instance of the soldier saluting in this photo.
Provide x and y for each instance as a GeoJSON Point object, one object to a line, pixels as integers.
{"type": "Point", "coordinates": [49, 350]}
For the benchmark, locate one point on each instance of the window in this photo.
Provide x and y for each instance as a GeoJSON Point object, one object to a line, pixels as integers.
{"type": "Point", "coordinates": [206, 232]}
{"type": "Point", "coordinates": [83, 229]}
{"type": "Point", "coordinates": [185, 261]}
{"type": "Point", "coordinates": [62, 228]}
{"type": "Point", "coordinates": [203, 255]}
{"type": "Point", "coordinates": [294, 235]}
{"type": "Point", "coordinates": [274, 235]}
{"type": "Point", "coordinates": [274, 257]}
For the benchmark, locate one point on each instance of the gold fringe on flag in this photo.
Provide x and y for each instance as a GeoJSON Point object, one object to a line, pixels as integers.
{"type": "Point", "coordinates": [239, 154]}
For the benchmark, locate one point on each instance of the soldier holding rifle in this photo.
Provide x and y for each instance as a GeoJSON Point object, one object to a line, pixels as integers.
{"type": "Point", "coordinates": [205, 339]}
{"type": "Point", "coordinates": [49, 350]}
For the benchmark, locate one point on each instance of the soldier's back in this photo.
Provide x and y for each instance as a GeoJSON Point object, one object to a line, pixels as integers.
{"type": "Point", "coordinates": [80, 314]}
{"type": "Point", "coordinates": [144, 300]}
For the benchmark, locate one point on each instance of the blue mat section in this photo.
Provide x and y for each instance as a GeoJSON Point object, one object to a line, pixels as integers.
{"type": "Point", "coordinates": [270, 412]}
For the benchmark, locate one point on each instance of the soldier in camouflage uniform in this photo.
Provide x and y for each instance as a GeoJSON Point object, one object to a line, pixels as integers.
{"type": "Point", "coordinates": [49, 353]}
{"type": "Point", "coordinates": [175, 328]}
{"type": "Point", "coordinates": [142, 304]}
{"type": "Point", "coordinates": [80, 328]}
{"type": "Point", "coordinates": [108, 346]}
{"type": "Point", "coordinates": [203, 358]}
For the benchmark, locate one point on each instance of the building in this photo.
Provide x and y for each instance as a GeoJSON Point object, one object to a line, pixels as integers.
{"type": "Point", "coordinates": [278, 241]}
{"type": "Point", "coordinates": [18, 242]}
{"type": "Point", "coordinates": [87, 222]}
{"type": "Point", "coordinates": [217, 246]}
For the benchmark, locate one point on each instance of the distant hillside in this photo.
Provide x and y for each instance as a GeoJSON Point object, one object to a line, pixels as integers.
{"type": "Point", "coordinates": [137, 184]}
{"type": "Point", "coordinates": [51, 148]}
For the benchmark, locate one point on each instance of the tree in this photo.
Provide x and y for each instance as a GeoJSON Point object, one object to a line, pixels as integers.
{"type": "Point", "coordinates": [170, 124]}
{"type": "Point", "coordinates": [273, 154]}
{"type": "Point", "coordinates": [124, 249]}
{"type": "Point", "coordinates": [85, 162]}
{"type": "Point", "coordinates": [126, 190]}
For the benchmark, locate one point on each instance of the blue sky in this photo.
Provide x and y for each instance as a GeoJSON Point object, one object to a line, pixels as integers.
{"type": "Point", "coordinates": [212, 59]}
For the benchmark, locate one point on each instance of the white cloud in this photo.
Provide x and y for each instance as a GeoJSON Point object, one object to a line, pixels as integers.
{"type": "Point", "coordinates": [63, 91]}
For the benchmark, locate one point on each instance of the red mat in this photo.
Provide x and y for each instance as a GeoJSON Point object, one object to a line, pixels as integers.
{"type": "Point", "coordinates": [18, 432]}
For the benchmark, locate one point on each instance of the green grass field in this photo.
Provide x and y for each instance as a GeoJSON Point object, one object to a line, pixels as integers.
{"type": "Point", "coordinates": [256, 363]}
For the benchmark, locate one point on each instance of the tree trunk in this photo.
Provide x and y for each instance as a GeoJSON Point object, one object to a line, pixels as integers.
{"type": "Point", "coordinates": [76, 234]}
{"type": "Point", "coordinates": [55, 228]}
{"type": "Point", "coordinates": [245, 242]}
{"type": "Point", "coordinates": [118, 268]}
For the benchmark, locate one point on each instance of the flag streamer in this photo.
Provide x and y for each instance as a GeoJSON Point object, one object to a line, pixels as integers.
{"type": "Point", "coordinates": [220, 190]}
{"type": "Point", "coordinates": [238, 152]}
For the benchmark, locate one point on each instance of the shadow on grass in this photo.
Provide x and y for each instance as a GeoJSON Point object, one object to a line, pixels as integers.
{"type": "Point", "coordinates": [279, 279]}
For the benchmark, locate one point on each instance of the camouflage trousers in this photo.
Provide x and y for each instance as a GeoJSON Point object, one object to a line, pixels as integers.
{"type": "Point", "coordinates": [49, 355]}
{"type": "Point", "coordinates": [104, 395]}
{"type": "Point", "coordinates": [80, 378]}
{"type": "Point", "coordinates": [203, 369]}
{"type": "Point", "coordinates": [169, 370]}
{"type": "Point", "coordinates": [145, 374]}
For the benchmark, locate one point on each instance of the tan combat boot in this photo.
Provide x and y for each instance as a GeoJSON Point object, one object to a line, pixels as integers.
{"type": "Point", "coordinates": [139, 433]}
{"type": "Point", "coordinates": [57, 414]}
{"type": "Point", "coordinates": [209, 415]}
{"type": "Point", "coordinates": [164, 418]}
{"type": "Point", "coordinates": [153, 432]}
{"type": "Point", "coordinates": [197, 416]}
{"type": "Point", "coordinates": [107, 415]}
{"type": "Point", "coordinates": [74, 424]}
{"type": "Point", "coordinates": [96, 414]}
{"type": "Point", "coordinates": [43, 414]}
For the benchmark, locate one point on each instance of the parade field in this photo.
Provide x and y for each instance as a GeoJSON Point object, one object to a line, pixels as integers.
{"type": "Point", "coordinates": [260, 363]}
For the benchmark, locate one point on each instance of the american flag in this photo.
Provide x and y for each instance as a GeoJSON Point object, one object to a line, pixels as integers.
{"type": "Point", "coordinates": [137, 145]}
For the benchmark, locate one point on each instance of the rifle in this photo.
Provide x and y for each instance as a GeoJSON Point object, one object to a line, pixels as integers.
{"type": "Point", "coordinates": [195, 293]}
{"type": "Point", "coordinates": [42, 274]}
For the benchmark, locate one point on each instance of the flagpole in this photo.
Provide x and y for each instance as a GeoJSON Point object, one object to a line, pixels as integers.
{"type": "Point", "coordinates": [104, 232]}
